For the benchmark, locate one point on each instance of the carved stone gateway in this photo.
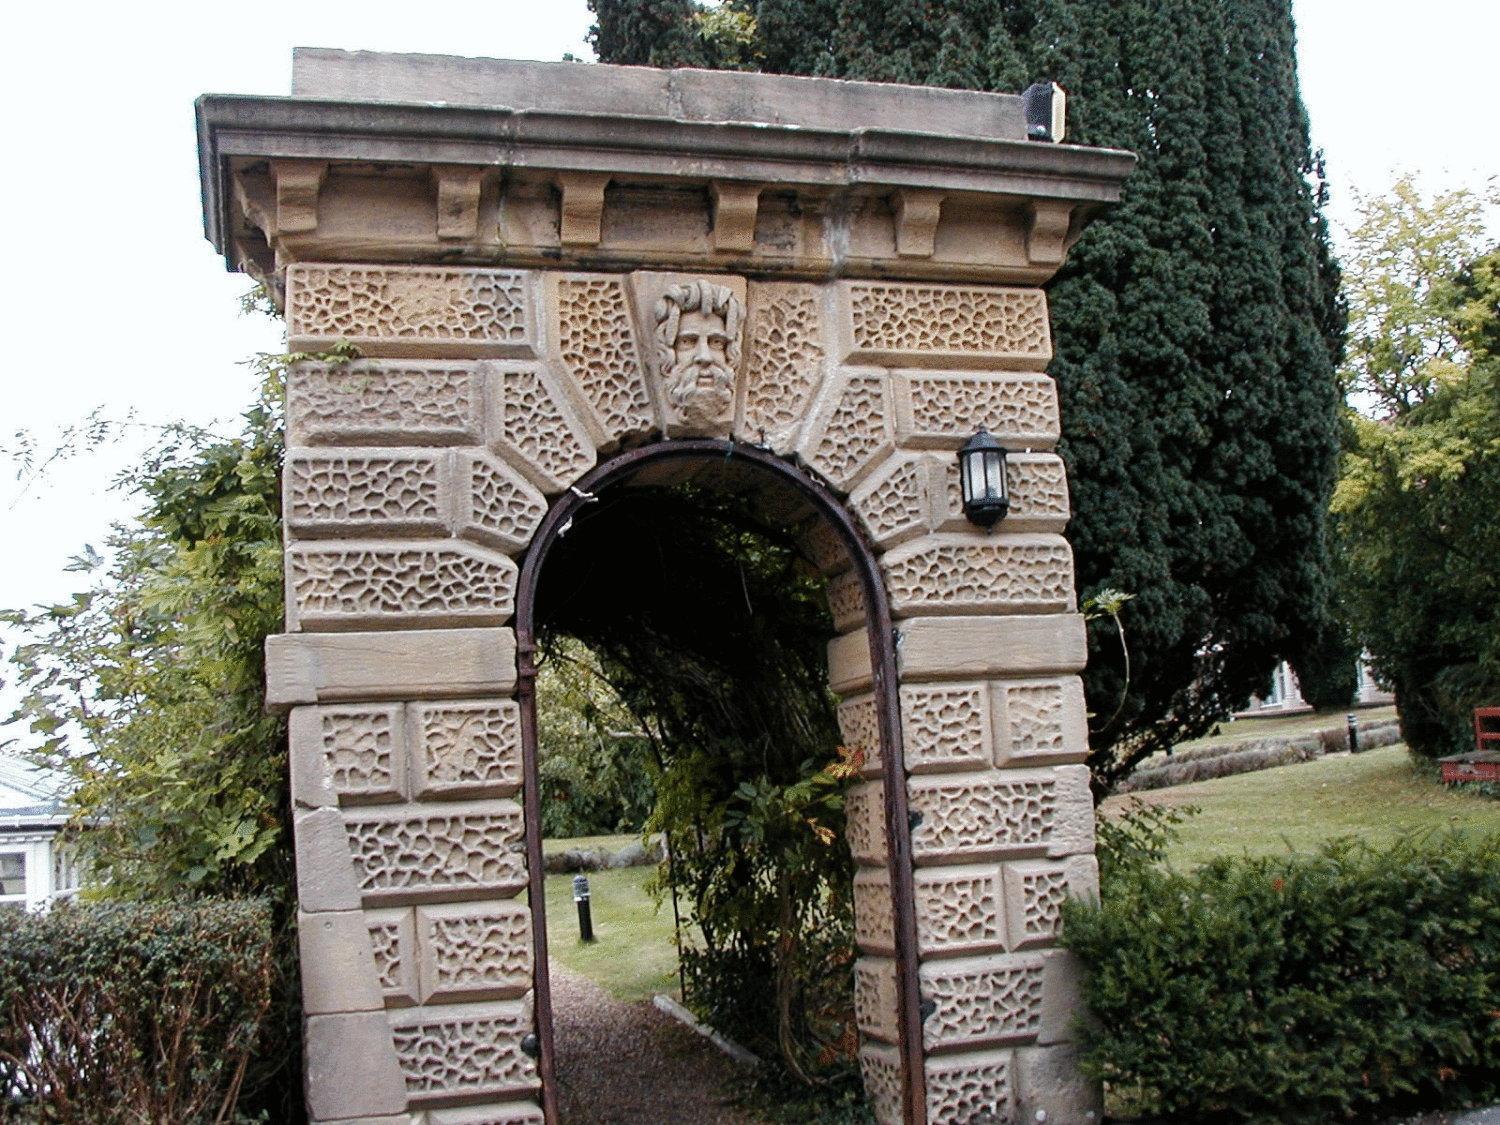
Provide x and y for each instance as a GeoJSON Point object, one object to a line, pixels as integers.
{"type": "Point", "coordinates": [556, 276]}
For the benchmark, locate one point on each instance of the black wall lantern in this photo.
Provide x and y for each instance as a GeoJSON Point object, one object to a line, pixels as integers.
{"type": "Point", "coordinates": [981, 474]}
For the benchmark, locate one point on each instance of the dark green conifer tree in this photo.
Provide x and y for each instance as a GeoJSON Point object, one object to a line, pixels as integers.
{"type": "Point", "coordinates": [1197, 324]}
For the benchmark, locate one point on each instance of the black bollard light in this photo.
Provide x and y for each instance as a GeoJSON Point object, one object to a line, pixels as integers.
{"type": "Point", "coordinates": [1353, 721]}
{"type": "Point", "coordinates": [585, 917]}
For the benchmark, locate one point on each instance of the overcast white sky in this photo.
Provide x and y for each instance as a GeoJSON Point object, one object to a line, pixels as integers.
{"type": "Point", "coordinates": [111, 297]}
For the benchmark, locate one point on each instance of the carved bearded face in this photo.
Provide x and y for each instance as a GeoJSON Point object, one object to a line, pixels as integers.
{"type": "Point", "coordinates": [698, 339]}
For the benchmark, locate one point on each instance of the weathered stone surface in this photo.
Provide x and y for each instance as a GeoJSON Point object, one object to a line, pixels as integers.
{"type": "Point", "coordinates": [1040, 722]}
{"type": "Point", "coordinates": [1063, 1006]}
{"type": "Point", "coordinates": [469, 748]}
{"type": "Point", "coordinates": [338, 974]}
{"type": "Point", "coordinates": [942, 409]}
{"type": "Point", "coordinates": [393, 944]}
{"type": "Point", "coordinates": [825, 548]}
{"type": "Point", "coordinates": [495, 1113]}
{"type": "Point", "coordinates": [865, 809]}
{"type": "Point", "coordinates": [880, 1066]}
{"type": "Point", "coordinates": [597, 348]}
{"type": "Point", "coordinates": [937, 648]}
{"type": "Point", "coordinates": [859, 725]}
{"type": "Point", "coordinates": [1049, 1081]}
{"type": "Point", "coordinates": [414, 663]}
{"type": "Point", "coordinates": [444, 851]}
{"type": "Point", "coordinates": [351, 1067]}
{"type": "Point", "coordinates": [464, 1050]}
{"type": "Point", "coordinates": [326, 879]}
{"type": "Point", "coordinates": [347, 755]}
{"type": "Point", "coordinates": [849, 662]}
{"type": "Point", "coordinates": [410, 310]}
{"type": "Point", "coordinates": [346, 585]}
{"type": "Point", "coordinates": [475, 952]}
{"type": "Point", "coordinates": [374, 402]}
{"type": "Point", "coordinates": [946, 727]}
{"type": "Point", "coordinates": [495, 504]}
{"type": "Point", "coordinates": [944, 325]}
{"type": "Point", "coordinates": [895, 503]}
{"type": "Point", "coordinates": [982, 1000]}
{"type": "Point", "coordinates": [783, 363]}
{"type": "Point", "coordinates": [1038, 487]}
{"type": "Point", "coordinates": [970, 1088]}
{"type": "Point", "coordinates": [1002, 813]}
{"type": "Point", "coordinates": [846, 601]}
{"type": "Point", "coordinates": [874, 917]}
{"type": "Point", "coordinates": [355, 492]}
{"type": "Point", "coordinates": [876, 1003]}
{"type": "Point", "coordinates": [1036, 891]}
{"type": "Point", "coordinates": [534, 429]}
{"type": "Point", "coordinates": [973, 573]}
{"type": "Point", "coordinates": [960, 910]}
{"type": "Point", "coordinates": [850, 432]}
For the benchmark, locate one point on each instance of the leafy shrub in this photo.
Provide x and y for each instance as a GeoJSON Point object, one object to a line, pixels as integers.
{"type": "Point", "coordinates": [1298, 988]}
{"type": "Point", "coordinates": [132, 1012]}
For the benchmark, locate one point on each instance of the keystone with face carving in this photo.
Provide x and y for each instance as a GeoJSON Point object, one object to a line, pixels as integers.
{"type": "Point", "coordinates": [698, 329]}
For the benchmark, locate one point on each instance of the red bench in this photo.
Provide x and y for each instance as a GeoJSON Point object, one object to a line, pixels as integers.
{"type": "Point", "coordinates": [1484, 763]}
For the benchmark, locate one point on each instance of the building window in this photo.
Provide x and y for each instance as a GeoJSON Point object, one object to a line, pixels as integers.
{"type": "Point", "coordinates": [12, 880]}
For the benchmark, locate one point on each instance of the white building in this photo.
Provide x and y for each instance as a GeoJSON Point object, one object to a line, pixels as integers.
{"type": "Point", "coordinates": [1285, 695]}
{"type": "Point", "coordinates": [34, 869]}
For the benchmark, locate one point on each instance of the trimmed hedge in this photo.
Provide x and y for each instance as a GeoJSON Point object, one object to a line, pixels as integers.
{"type": "Point", "coordinates": [131, 1012]}
{"type": "Point", "coordinates": [1298, 988]}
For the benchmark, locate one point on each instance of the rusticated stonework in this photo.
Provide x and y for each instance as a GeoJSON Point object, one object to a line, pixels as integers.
{"type": "Point", "coordinates": [365, 493]}
{"type": "Point", "coordinates": [468, 749]}
{"type": "Point", "coordinates": [859, 724]}
{"type": "Point", "coordinates": [875, 997]}
{"type": "Point", "coordinates": [856, 431]}
{"type": "Point", "coordinates": [351, 584]}
{"type": "Point", "coordinates": [947, 727]}
{"type": "Point", "coordinates": [535, 427]}
{"type": "Point", "coordinates": [959, 910]}
{"type": "Point", "coordinates": [475, 952]}
{"type": "Point", "coordinates": [846, 601]}
{"type": "Point", "coordinates": [981, 575]}
{"type": "Point", "coordinates": [373, 307]}
{"type": "Point", "coordinates": [447, 1051]}
{"type": "Point", "coordinates": [391, 945]}
{"type": "Point", "coordinates": [1033, 719]}
{"type": "Point", "coordinates": [983, 1001]}
{"type": "Point", "coordinates": [367, 402]}
{"type": "Point", "coordinates": [598, 348]}
{"type": "Point", "coordinates": [1038, 493]}
{"type": "Point", "coordinates": [419, 853]}
{"type": "Point", "coordinates": [874, 927]}
{"type": "Point", "coordinates": [941, 410]}
{"type": "Point", "coordinates": [880, 1066]}
{"type": "Point", "coordinates": [359, 752]}
{"type": "Point", "coordinates": [865, 809]}
{"type": "Point", "coordinates": [785, 363]}
{"type": "Point", "coordinates": [894, 504]}
{"type": "Point", "coordinates": [934, 324]}
{"type": "Point", "coordinates": [969, 1088]}
{"type": "Point", "coordinates": [496, 506]}
{"type": "Point", "coordinates": [982, 814]}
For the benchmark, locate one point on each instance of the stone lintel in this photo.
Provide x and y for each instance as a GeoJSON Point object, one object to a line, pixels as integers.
{"type": "Point", "coordinates": [400, 664]}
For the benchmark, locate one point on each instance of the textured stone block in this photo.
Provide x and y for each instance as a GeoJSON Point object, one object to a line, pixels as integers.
{"type": "Point", "coordinates": [338, 973]}
{"type": "Point", "coordinates": [784, 363]}
{"type": "Point", "coordinates": [850, 432]}
{"type": "Point", "coordinates": [393, 945]}
{"type": "Point", "coordinates": [348, 585]}
{"type": "Point", "coordinates": [445, 851]}
{"type": "Point", "coordinates": [1036, 890]}
{"type": "Point", "coordinates": [982, 1001]}
{"type": "Point", "coordinates": [940, 325]}
{"type": "Point", "coordinates": [495, 504]}
{"type": "Point", "coordinates": [895, 503]}
{"type": "Point", "coordinates": [942, 409]}
{"type": "Point", "coordinates": [464, 1051]}
{"type": "Point", "coordinates": [410, 310]}
{"type": "Point", "coordinates": [1063, 1006]}
{"type": "Point", "coordinates": [469, 748]}
{"type": "Point", "coordinates": [494, 1113]}
{"type": "Point", "coordinates": [960, 910]}
{"type": "Point", "coordinates": [974, 1087]}
{"type": "Point", "coordinates": [372, 402]}
{"type": "Point", "coordinates": [1002, 813]}
{"type": "Point", "coordinates": [351, 1066]}
{"type": "Point", "coordinates": [597, 350]}
{"type": "Point", "coordinates": [865, 812]}
{"type": "Point", "coordinates": [1050, 1086]}
{"type": "Point", "coordinates": [876, 998]}
{"type": "Point", "coordinates": [846, 601]}
{"type": "Point", "coordinates": [326, 879]}
{"type": "Point", "coordinates": [1040, 722]}
{"type": "Point", "coordinates": [859, 726]}
{"type": "Point", "coordinates": [347, 755]}
{"type": "Point", "coordinates": [534, 428]}
{"type": "Point", "coordinates": [1038, 484]}
{"type": "Point", "coordinates": [974, 573]}
{"type": "Point", "coordinates": [880, 1066]}
{"type": "Point", "coordinates": [874, 912]}
{"type": "Point", "coordinates": [415, 663]}
{"type": "Point", "coordinates": [475, 952]}
{"type": "Point", "coordinates": [945, 727]}
{"type": "Point", "coordinates": [963, 648]}
{"type": "Point", "coordinates": [849, 662]}
{"type": "Point", "coordinates": [355, 492]}
{"type": "Point", "coordinates": [824, 547]}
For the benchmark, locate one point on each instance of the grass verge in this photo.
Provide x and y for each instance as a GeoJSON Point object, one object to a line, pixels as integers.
{"type": "Point", "coordinates": [634, 956]}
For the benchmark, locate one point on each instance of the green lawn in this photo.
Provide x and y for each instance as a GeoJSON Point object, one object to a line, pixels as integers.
{"type": "Point", "coordinates": [633, 956]}
{"type": "Point", "coordinates": [1275, 726]}
{"type": "Point", "coordinates": [589, 843]}
{"type": "Point", "coordinates": [1376, 795]}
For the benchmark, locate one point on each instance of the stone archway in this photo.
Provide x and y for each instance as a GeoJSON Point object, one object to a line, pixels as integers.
{"type": "Point", "coordinates": [534, 290]}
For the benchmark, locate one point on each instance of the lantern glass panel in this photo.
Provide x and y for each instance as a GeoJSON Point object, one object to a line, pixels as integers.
{"type": "Point", "coordinates": [994, 475]}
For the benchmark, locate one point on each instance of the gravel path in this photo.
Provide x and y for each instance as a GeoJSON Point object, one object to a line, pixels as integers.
{"type": "Point", "coordinates": [629, 1064]}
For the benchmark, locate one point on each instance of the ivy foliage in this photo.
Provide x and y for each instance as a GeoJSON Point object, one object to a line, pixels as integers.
{"type": "Point", "coordinates": [712, 634]}
{"type": "Point", "coordinates": [1415, 510]}
{"type": "Point", "coordinates": [1198, 323]}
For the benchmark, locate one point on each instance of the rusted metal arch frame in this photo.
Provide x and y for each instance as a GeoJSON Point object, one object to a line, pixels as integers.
{"type": "Point", "coordinates": [887, 698]}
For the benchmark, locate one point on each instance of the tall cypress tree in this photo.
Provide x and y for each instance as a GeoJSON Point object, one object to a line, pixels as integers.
{"type": "Point", "coordinates": [1198, 323]}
